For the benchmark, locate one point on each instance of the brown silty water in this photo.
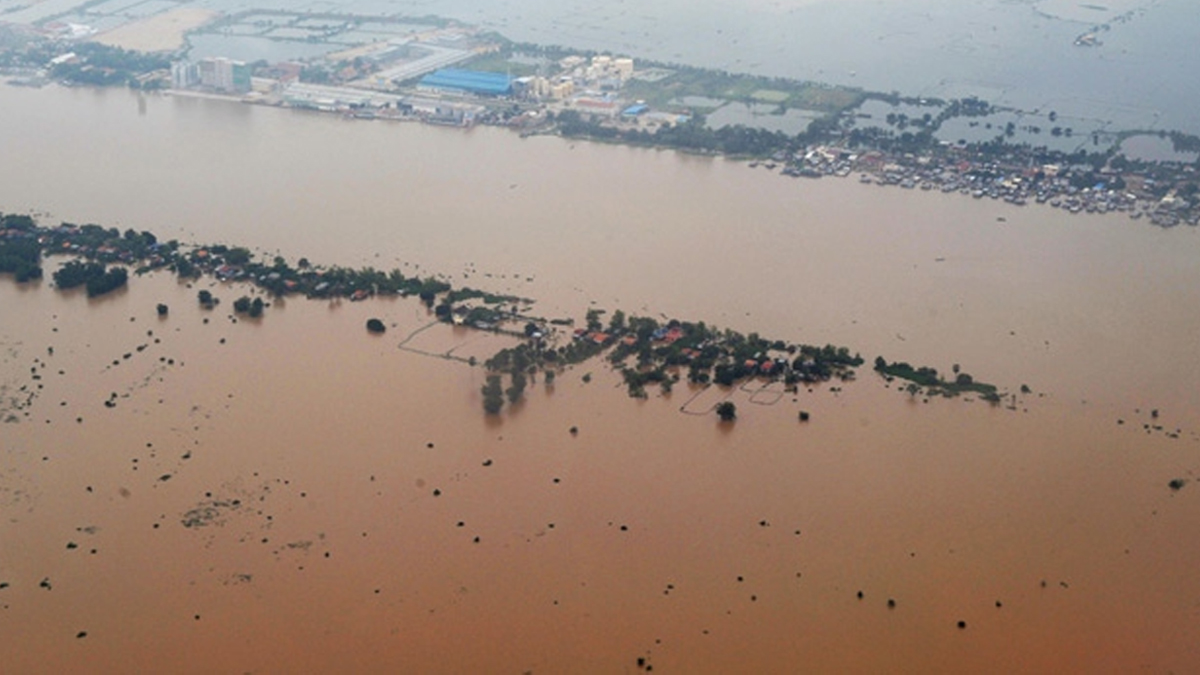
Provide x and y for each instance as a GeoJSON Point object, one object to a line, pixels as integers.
{"type": "Point", "coordinates": [272, 503]}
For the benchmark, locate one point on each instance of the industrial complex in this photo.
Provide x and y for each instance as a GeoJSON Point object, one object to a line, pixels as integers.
{"type": "Point", "coordinates": [442, 74]}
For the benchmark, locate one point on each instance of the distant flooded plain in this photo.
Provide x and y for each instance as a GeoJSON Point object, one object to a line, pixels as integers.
{"type": "Point", "coordinates": [295, 495]}
{"type": "Point", "coordinates": [1020, 54]}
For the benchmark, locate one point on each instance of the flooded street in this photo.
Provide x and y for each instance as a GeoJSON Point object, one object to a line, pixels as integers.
{"type": "Point", "coordinates": [296, 495]}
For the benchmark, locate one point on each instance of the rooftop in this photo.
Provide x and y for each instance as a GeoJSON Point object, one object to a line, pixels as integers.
{"type": "Point", "coordinates": [474, 81]}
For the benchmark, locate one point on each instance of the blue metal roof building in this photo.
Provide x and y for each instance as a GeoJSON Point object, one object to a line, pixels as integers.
{"type": "Point", "coordinates": [470, 81]}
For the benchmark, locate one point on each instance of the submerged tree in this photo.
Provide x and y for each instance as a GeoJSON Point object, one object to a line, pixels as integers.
{"type": "Point", "coordinates": [518, 387]}
{"type": "Point", "coordinates": [727, 411]}
{"type": "Point", "coordinates": [110, 280]}
{"type": "Point", "coordinates": [493, 395]}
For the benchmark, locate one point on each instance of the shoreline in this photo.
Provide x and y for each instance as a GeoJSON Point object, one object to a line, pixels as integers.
{"type": "Point", "coordinates": [906, 147]}
{"type": "Point", "coordinates": [1048, 185]}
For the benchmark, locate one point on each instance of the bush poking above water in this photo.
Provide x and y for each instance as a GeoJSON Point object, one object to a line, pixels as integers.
{"type": "Point", "coordinates": [727, 411]}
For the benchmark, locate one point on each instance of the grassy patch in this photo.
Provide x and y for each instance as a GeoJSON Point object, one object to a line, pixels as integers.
{"type": "Point", "coordinates": [499, 62]}
{"type": "Point", "coordinates": [748, 88]}
{"type": "Point", "coordinates": [770, 96]}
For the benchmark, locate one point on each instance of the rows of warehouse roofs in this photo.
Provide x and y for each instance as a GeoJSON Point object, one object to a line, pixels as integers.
{"type": "Point", "coordinates": [427, 66]}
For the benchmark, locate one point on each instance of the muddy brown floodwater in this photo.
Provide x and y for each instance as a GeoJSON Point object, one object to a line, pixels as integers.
{"type": "Point", "coordinates": [296, 495]}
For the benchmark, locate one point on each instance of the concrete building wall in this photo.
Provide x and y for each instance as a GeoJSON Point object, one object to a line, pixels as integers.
{"type": "Point", "coordinates": [624, 68]}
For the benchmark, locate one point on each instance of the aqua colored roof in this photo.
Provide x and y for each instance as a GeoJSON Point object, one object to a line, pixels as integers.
{"type": "Point", "coordinates": [474, 81]}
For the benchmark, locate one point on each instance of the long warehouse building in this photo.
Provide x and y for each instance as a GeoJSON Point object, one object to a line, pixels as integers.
{"type": "Point", "coordinates": [470, 81]}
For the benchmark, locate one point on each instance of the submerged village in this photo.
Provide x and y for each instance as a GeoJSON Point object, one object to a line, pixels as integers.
{"type": "Point", "coordinates": [437, 71]}
{"type": "Point", "coordinates": [648, 352]}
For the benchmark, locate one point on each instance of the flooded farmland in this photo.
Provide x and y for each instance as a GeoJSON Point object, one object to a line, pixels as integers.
{"type": "Point", "coordinates": [296, 495]}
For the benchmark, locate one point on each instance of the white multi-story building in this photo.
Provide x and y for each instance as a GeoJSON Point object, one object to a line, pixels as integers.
{"type": "Point", "coordinates": [184, 75]}
{"type": "Point", "coordinates": [219, 74]}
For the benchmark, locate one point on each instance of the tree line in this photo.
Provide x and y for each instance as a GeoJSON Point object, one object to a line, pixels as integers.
{"type": "Point", "coordinates": [98, 278]}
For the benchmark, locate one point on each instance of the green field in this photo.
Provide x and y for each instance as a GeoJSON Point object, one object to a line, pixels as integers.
{"type": "Point", "coordinates": [685, 82]}
{"type": "Point", "coordinates": [499, 62]}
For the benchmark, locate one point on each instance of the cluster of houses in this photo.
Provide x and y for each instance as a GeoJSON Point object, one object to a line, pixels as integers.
{"type": "Point", "coordinates": [743, 360]}
{"type": "Point", "coordinates": [75, 240]}
{"type": "Point", "coordinates": [1017, 183]}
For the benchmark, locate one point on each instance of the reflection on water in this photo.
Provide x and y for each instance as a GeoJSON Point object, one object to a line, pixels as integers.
{"type": "Point", "coordinates": [790, 121]}
{"type": "Point", "coordinates": [1150, 148]}
{"type": "Point", "coordinates": [251, 48]}
{"type": "Point", "coordinates": [297, 495]}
